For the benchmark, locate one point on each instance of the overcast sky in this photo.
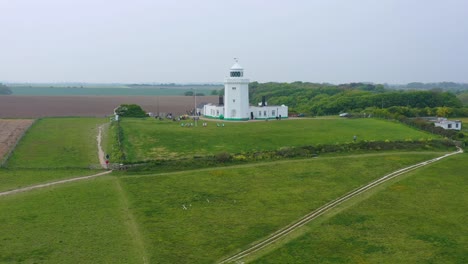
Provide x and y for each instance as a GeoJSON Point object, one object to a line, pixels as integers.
{"type": "Point", "coordinates": [336, 41]}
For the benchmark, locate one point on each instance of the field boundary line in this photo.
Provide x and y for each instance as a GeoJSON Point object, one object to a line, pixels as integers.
{"type": "Point", "coordinates": [44, 185]}
{"type": "Point", "coordinates": [321, 210]}
{"type": "Point", "coordinates": [10, 152]}
{"type": "Point", "coordinates": [267, 163]}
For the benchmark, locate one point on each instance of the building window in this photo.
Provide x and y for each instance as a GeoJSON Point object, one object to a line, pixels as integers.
{"type": "Point", "coordinates": [233, 112]}
{"type": "Point", "coordinates": [273, 113]}
{"type": "Point", "coordinates": [233, 88]}
{"type": "Point", "coordinates": [456, 125]}
{"type": "Point", "coordinates": [217, 112]}
{"type": "Point", "coordinates": [233, 100]}
{"type": "Point", "coordinates": [449, 125]}
{"type": "Point", "coordinates": [265, 113]}
{"type": "Point", "coordinates": [237, 74]}
{"type": "Point", "coordinates": [259, 113]}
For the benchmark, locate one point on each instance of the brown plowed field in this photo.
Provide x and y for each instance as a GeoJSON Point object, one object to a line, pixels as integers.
{"type": "Point", "coordinates": [12, 106]}
{"type": "Point", "coordinates": [10, 131]}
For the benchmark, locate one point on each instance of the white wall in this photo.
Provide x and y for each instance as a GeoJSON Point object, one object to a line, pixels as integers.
{"type": "Point", "coordinates": [270, 112]}
{"type": "Point", "coordinates": [213, 111]}
{"type": "Point", "coordinates": [236, 99]}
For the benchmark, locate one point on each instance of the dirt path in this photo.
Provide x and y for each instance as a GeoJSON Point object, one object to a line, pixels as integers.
{"type": "Point", "coordinates": [39, 186]}
{"type": "Point", "coordinates": [316, 213]}
{"type": "Point", "coordinates": [102, 159]}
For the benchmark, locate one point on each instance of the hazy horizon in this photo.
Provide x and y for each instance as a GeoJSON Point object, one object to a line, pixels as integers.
{"type": "Point", "coordinates": [336, 41]}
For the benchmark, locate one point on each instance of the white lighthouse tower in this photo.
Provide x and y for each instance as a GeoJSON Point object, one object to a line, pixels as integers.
{"type": "Point", "coordinates": [236, 94]}
{"type": "Point", "coordinates": [236, 101]}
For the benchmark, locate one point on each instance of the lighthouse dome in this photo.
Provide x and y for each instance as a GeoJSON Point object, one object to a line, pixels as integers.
{"type": "Point", "coordinates": [236, 67]}
{"type": "Point", "coordinates": [237, 70]}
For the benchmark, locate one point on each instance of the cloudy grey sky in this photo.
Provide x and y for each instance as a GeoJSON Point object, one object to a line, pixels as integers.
{"type": "Point", "coordinates": [337, 41]}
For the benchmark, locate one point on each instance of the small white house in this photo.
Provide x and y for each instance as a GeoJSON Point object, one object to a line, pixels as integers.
{"type": "Point", "coordinates": [448, 124]}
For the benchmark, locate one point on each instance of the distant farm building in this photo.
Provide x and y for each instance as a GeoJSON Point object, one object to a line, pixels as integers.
{"type": "Point", "coordinates": [448, 124]}
{"type": "Point", "coordinates": [235, 104]}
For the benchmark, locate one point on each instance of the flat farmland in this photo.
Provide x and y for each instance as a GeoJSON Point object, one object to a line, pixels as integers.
{"type": "Point", "coordinates": [10, 131]}
{"type": "Point", "coordinates": [12, 106]}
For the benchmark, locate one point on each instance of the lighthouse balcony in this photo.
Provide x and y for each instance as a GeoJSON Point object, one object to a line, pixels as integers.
{"type": "Point", "coordinates": [235, 80]}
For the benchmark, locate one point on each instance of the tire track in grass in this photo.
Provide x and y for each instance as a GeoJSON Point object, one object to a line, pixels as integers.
{"type": "Point", "coordinates": [131, 223]}
{"type": "Point", "coordinates": [321, 210]}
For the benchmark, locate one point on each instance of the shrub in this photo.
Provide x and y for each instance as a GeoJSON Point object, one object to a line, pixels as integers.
{"type": "Point", "coordinates": [239, 157]}
{"type": "Point", "coordinates": [223, 157]}
{"type": "Point", "coordinates": [130, 110]}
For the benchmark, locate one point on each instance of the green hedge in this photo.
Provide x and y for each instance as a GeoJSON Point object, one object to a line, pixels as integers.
{"type": "Point", "coordinates": [226, 159]}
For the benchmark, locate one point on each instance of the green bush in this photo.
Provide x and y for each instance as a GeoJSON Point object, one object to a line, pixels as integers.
{"type": "Point", "coordinates": [130, 110]}
{"type": "Point", "coordinates": [226, 159]}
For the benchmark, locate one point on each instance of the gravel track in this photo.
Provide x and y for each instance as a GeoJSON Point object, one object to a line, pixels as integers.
{"type": "Point", "coordinates": [316, 213]}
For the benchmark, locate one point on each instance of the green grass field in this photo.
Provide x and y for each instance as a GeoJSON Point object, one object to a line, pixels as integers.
{"type": "Point", "coordinates": [229, 208]}
{"type": "Point", "coordinates": [419, 219]}
{"type": "Point", "coordinates": [124, 218]}
{"type": "Point", "coordinates": [85, 222]}
{"type": "Point", "coordinates": [58, 143]}
{"type": "Point", "coordinates": [18, 178]}
{"type": "Point", "coordinates": [146, 139]}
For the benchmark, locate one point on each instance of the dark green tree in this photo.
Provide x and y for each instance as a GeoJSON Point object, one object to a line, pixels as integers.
{"type": "Point", "coordinates": [130, 110]}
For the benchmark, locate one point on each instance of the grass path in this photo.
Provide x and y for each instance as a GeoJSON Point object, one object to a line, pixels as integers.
{"type": "Point", "coordinates": [131, 223]}
{"type": "Point", "coordinates": [316, 213]}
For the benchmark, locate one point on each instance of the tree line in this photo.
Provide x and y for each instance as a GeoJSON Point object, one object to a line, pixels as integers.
{"type": "Point", "coordinates": [5, 89]}
{"type": "Point", "coordinates": [327, 99]}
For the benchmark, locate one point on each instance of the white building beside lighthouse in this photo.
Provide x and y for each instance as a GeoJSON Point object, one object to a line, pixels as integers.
{"type": "Point", "coordinates": [236, 101]}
